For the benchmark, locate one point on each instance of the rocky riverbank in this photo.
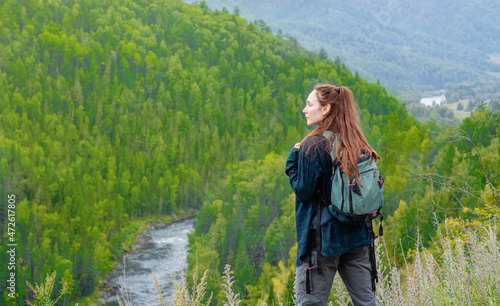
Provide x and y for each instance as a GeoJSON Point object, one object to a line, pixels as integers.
{"type": "Point", "coordinates": [141, 239]}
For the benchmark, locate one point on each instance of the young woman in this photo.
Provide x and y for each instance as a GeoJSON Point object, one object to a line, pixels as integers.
{"type": "Point", "coordinates": [344, 248]}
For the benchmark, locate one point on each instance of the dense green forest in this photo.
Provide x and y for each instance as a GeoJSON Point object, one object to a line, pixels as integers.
{"type": "Point", "coordinates": [116, 112]}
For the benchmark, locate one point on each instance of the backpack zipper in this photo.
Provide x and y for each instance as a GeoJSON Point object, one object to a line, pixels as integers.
{"type": "Point", "coordinates": [342, 207]}
{"type": "Point", "coordinates": [373, 169]}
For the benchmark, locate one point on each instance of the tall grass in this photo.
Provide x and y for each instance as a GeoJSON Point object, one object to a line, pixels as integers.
{"type": "Point", "coordinates": [461, 268]}
{"type": "Point", "coordinates": [42, 293]}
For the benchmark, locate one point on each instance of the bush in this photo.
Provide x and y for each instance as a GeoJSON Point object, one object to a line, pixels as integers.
{"type": "Point", "coordinates": [470, 106]}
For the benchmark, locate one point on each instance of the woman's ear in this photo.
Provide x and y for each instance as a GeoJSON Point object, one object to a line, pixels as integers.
{"type": "Point", "coordinates": [326, 109]}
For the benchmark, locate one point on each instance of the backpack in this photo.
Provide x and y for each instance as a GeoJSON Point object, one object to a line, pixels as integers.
{"type": "Point", "coordinates": [351, 204]}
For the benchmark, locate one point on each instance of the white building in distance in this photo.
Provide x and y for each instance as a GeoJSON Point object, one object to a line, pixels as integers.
{"type": "Point", "coordinates": [438, 100]}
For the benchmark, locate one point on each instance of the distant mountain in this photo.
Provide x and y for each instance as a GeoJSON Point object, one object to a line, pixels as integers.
{"type": "Point", "coordinates": [407, 45]}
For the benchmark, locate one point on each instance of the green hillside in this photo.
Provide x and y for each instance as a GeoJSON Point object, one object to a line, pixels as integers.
{"type": "Point", "coordinates": [411, 47]}
{"type": "Point", "coordinates": [113, 114]}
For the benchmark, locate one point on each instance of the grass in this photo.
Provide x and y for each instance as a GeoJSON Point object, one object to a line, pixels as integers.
{"type": "Point", "coordinates": [459, 269]}
{"type": "Point", "coordinates": [459, 114]}
{"type": "Point", "coordinates": [463, 267]}
{"type": "Point", "coordinates": [42, 294]}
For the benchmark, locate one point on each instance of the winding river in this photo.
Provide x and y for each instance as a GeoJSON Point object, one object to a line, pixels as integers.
{"type": "Point", "coordinates": [167, 249]}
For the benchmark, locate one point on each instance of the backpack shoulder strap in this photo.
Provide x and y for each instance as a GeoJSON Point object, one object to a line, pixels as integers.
{"type": "Point", "coordinates": [335, 144]}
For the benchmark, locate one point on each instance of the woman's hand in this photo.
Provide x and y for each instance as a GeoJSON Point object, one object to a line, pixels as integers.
{"type": "Point", "coordinates": [297, 145]}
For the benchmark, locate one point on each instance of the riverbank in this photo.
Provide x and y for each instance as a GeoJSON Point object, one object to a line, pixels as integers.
{"type": "Point", "coordinates": [134, 240]}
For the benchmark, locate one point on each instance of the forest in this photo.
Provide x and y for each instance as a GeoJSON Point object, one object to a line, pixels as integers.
{"type": "Point", "coordinates": [113, 114]}
{"type": "Point", "coordinates": [411, 47]}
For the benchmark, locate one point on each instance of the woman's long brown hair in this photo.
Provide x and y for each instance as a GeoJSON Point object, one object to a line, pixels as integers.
{"type": "Point", "coordinates": [342, 119]}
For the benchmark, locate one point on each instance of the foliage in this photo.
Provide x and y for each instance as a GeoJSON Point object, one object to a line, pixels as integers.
{"type": "Point", "coordinates": [460, 268]}
{"type": "Point", "coordinates": [441, 114]}
{"type": "Point", "coordinates": [464, 174]}
{"type": "Point", "coordinates": [118, 111]}
{"type": "Point", "coordinates": [454, 181]}
{"type": "Point", "coordinates": [408, 46]}
{"type": "Point", "coordinates": [182, 294]}
{"type": "Point", "coordinates": [470, 106]}
{"type": "Point", "coordinates": [42, 293]}
{"type": "Point", "coordinates": [115, 113]}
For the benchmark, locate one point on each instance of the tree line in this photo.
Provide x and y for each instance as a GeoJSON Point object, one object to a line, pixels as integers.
{"type": "Point", "coordinates": [117, 112]}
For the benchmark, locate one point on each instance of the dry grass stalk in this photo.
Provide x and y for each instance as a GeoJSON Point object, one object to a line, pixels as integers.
{"type": "Point", "coordinates": [341, 295]}
{"type": "Point", "coordinates": [463, 269]}
{"type": "Point", "coordinates": [182, 296]}
{"type": "Point", "coordinates": [123, 292]}
{"type": "Point", "coordinates": [42, 293]}
{"type": "Point", "coordinates": [465, 272]}
{"type": "Point", "coordinates": [227, 287]}
{"type": "Point", "coordinates": [163, 301]}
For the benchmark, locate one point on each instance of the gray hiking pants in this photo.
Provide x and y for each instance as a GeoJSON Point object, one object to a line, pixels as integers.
{"type": "Point", "coordinates": [355, 269]}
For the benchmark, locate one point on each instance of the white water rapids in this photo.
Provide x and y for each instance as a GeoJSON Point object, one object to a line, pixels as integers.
{"type": "Point", "coordinates": [166, 250]}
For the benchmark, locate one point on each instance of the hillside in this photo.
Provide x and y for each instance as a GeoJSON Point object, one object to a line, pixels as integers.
{"type": "Point", "coordinates": [115, 113]}
{"type": "Point", "coordinates": [434, 240]}
{"type": "Point", "coordinates": [411, 47]}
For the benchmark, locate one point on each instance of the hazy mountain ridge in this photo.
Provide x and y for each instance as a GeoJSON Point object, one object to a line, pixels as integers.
{"type": "Point", "coordinates": [408, 46]}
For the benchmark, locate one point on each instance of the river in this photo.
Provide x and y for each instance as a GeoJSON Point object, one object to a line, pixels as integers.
{"type": "Point", "coordinates": [167, 249]}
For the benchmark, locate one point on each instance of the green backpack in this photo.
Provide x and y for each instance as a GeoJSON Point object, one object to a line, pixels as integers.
{"type": "Point", "coordinates": [350, 204]}
{"type": "Point", "coordinates": [355, 202]}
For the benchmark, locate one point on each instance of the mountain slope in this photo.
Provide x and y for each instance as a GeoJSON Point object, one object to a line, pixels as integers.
{"type": "Point", "coordinates": [114, 113]}
{"type": "Point", "coordinates": [409, 46]}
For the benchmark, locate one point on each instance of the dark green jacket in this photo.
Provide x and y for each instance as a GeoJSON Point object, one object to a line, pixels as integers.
{"type": "Point", "coordinates": [307, 175]}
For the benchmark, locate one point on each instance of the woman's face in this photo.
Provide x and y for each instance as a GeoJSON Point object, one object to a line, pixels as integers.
{"type": "Point", "coordinates": [315, 113]}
